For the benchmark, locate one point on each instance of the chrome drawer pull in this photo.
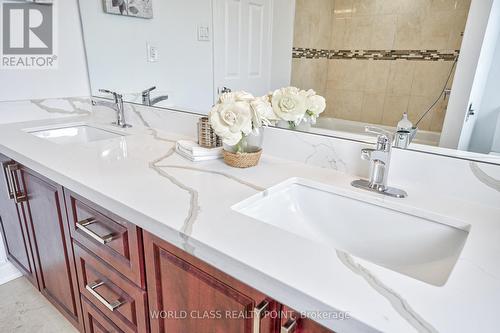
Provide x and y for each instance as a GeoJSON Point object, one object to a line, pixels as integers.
{"type": "Point", "coordinates": [289, 327]}
{"type": "Point", "coordinates": [91, 287]}
{"type": "Point", "coordinates": [19, 197]}
{"type": "Point", "coordinates": [257, 315]}
{"type": "Point", "coordinates": [82, 225]}
{"type": "Point", "coordinates": [8, 179]}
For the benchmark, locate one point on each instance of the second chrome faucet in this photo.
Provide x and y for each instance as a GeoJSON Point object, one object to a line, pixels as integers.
{"type": "Point", "coordinates": [380, 160]}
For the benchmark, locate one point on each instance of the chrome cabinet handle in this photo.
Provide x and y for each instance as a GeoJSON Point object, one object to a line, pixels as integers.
{"type": "Point", "coordinates": [19, 197]}
{"type": "Point", "coordinates": [8, 180]}
{"type": "Point", "coordinates": [91, 288]}
{"type": "Point", "coordinates": [82, 225]}
{"type": "Point", "coordinates": [289, 327]}
{"type": "Point", "coordinates": [258, 314]}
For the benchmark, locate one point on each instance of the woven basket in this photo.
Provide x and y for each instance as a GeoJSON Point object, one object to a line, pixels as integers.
{"type": "Point", "coordinates": [242, 160]}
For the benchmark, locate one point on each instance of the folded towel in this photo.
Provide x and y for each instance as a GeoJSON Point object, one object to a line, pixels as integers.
{"type": "Point", "coordinates": [196, 150]}
{"type": "Point", "coordinates": [195, 153]}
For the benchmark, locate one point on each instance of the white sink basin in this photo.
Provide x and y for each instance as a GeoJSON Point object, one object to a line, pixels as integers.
{"type": "Point", "coordinates": [421, 245]}
{"type": "Point", "coordinates": [74, 134]}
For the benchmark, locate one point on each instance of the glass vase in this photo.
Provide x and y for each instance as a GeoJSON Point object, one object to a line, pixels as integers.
{"type": "Point", "coordinates": [250, 143]}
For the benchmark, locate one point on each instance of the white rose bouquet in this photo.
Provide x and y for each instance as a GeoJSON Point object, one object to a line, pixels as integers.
{"type": "Point", "coordinates": [295, 106]}
{"type": "Point", "coordinates": [238, 115]}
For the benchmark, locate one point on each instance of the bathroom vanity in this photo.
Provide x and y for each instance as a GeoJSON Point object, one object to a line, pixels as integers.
{"type": "Point", "coordinates": [115, 229]}
{"type": "Point", "coordinates": [106, 274]}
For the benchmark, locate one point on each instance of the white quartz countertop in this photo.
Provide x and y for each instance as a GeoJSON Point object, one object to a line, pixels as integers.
{"type": "Point", "coordinates": [142, 179]}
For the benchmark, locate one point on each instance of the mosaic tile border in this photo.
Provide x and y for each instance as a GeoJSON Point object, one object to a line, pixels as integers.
{"type": "Point", "coordinates": [418, 55]}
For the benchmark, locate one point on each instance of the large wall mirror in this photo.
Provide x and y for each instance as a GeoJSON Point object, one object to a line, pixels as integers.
{"type": "Point", "coordinates": [438, 61]}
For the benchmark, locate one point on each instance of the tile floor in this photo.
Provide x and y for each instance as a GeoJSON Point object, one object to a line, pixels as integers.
{"type": "Point", "coordinates": [24, 309]}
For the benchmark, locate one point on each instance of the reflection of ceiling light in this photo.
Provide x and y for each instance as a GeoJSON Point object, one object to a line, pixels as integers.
{"type": "Point", "coordinates": [343, 11]}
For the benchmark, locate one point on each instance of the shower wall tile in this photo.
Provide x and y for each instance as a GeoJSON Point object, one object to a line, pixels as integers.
{"type": "Point", "coordinates": [310, 74]}
{"type": "Point", "coordinates": [313, 23]}
{"type": "Point", "coordinates": [401, 77]}
{"type": "Point", "coordinates": [379, 91]}
{"type": "Point", "coordinates": [373, 108]}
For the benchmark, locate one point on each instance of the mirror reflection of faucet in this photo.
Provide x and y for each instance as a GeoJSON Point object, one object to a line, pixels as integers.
{"type": "Point", "coordinates": [146, 97]}
{"type": "Point", "coordinates": [405, 134]}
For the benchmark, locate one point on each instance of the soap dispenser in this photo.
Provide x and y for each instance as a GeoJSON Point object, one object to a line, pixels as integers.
{"type": "Point", "coordinates": [405, 132]}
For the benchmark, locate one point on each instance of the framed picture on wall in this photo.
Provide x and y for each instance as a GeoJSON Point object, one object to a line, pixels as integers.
{"type": "Point", "coordinates": [135, 8]}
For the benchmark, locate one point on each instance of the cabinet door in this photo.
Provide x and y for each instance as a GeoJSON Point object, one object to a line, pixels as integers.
{"type": "Point", "coordinates": [187, 295]}
{"type": "Point", "coordinates": [292, 322]}
{"type": "Point", "coordinates": [14, 231]}
{"type": "Point", "coordinates": [51, 244]}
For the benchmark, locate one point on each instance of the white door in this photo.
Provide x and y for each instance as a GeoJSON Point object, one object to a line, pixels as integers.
{"type": "Point", "coordinates": [242, 45]}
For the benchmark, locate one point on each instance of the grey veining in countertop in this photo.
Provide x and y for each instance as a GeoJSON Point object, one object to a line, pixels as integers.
{"type": "Point", "coordinates": [189, 204]}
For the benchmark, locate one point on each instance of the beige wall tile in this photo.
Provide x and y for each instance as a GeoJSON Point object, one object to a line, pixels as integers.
{"type": "Point", "coordinates": [401, 77]}
{"type": "Point", "coordinates": [346, 104]}
{"type": "Point", "coordinates": [417, 106]}
{"type": "Point", "coordinates": [343, 8]}
{"type": "Point", "coordinates": [408, 32]}
{"type": "Point", "coordinates": [310, 74]}
{"type": "Point", "coordinates": [376, 76]}
{"type": "Point", "coordinates": [458, 28]}
{"type": "Point", "coordinates": [383, 32]}
{"type": "Point", "coordinates": [364, 7]}
{"type": "Point", "coordinates": [338, 33]}
{"type": "Point", "coordinates": [438, 115]}
{"type": "Point", "coordinates": [359, 32]}
{"type": "Point", "coordinates": [346, 74]}
{"type": "Point", "coordinates": [436, 30]}
{"type": "Point", "coordinates": [387, 7]}
{"type": "Point", "coordinates": [313, 23]}
{"type": "Point", "coordinates": [430, 77]}
{"type": "Point", "coordinates": [394, 107]}
{"type": "Point", "coordinates": [373, 108]}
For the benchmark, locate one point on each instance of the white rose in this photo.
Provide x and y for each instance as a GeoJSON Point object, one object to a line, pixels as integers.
{"type": "Point", "coordinates": [238, 96]}
{"type": "Point", "coordinates": [231, 120]}
{"type": "Point", "coordinates": [289, 104]}
{"type": "Point", "coordinates": [263, 113]}
{"type": "Point", "coordinates": [317, 105]}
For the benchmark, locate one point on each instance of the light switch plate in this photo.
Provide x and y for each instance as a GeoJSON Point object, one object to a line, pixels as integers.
{"type": "Point", "coordinates": [203, 34]}
{"type": "Point", "coordinates": [153, 53]}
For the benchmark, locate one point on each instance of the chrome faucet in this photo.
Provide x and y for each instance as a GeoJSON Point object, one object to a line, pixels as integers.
{"type": "Point", "coordinates": [146, 97]}
{"type": "Point", "coordinates": [119, 108]}
{"type": "Point", "coordinates": [380, 160]}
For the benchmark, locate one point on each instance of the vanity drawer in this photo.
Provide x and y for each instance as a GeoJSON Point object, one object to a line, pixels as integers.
{"type": "Point", "coordinates": [118, 299]}
{"type": "Point", "coordinates": [95, 321]}
{"type": "Point", "coordinates": [111, 238]}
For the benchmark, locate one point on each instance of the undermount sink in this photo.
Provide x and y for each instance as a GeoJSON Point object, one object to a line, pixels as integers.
{"type": "Point", "coordinates": [74, 134]}
{"type": "Point", "coordinates": [420, 245]}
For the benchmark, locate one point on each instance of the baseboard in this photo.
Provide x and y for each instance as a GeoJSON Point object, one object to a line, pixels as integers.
{"type": "Point", "coordinates": [8, 272]}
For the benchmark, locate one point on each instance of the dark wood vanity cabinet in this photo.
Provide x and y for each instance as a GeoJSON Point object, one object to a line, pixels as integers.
{"type": "Point", "coordinates": [187, 295]}
{"type": "Point", "coordinates": [105, 274]}
{"type": "Point", "coordinates": [53, 252]}
{"type": "Point", "coordinates": [13, 222]}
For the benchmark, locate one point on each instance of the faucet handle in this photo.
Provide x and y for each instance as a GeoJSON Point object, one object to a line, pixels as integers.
{"type": "Point", "coordinates": [385, 138]}
{"type": "Point", "coordinates": [147, 91]}
{"type": "Point", "coordinates": [116, 95]}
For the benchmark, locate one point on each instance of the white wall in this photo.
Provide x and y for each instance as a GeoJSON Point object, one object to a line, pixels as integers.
{"type": "Point", "coordinates": [69, 79]}
{"type": "Point", "coordinates": [488, 114]}
{"type": "Point", "coordinates": [469, 65]}
{"type": "Point", "coordinates": [117, 52]}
